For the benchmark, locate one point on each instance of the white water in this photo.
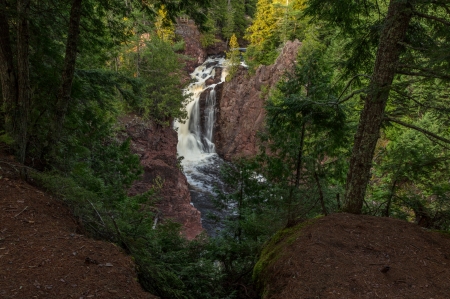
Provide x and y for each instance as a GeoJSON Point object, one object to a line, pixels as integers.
{"type": "Point", "coordinates": [195, 144]}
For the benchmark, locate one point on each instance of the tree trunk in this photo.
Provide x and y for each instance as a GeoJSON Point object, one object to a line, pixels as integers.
{"type": "Point", "coordinates": [15, 82]}
{"type": "Point", "coordinates": [23, 79]}
{"type": "Point", "coordinates": [387, 209]}
{"type": "Point", "coordinates": [298, 172]}
{"type": "Point", "coordinates": [68, 71]}
{"type": "Point", "coordinates": [368, 132]}
{"type": "Point", "coordinates": [321, 197]}
{"type": "Point", "coordinates": [7, 71]}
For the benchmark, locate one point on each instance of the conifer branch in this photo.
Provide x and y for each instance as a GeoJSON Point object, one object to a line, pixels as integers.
{"type": "Point", "coordinates": [348, 85]}
{"type": "Point", "coordinates": [425, 16]}
{"type": "Point", "coordinates": [348, 97]}
{"type": "Point", "coordinates": [419, 129]}
{"type": "Point", "coordinates": [423, 72]}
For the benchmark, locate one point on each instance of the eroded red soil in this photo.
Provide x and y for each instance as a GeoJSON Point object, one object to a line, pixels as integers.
{"type": "Point", "coordinates": [343, 255]}
{"type": "Point", "coordinates": [43, 256]}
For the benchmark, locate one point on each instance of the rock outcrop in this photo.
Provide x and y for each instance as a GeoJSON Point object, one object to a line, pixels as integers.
{"type": "Point", "coordinates": [157, 148]}
{"type": "Point", "coordinates": [189, 32]}
{"type": "Point", "coordinates": [241, 105]}
{"type": "Point", "coordinates": [218, 48]}
{"type": "Point", "coordinates": [193, 48]}
{"type": "Point", "coordinates": [354, 256]}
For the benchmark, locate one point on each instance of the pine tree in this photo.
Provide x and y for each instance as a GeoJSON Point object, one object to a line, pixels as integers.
{"type": "Point", "coordinates": [228, 29]}
{"type": "Point", "coordinates": [233, 56]}
{"type": "Point", "coordinates": [164, 26]}
{"type": "Point", "coordinates": [410, 39]}
{"type": "Point", "coordinates": [264, 25]}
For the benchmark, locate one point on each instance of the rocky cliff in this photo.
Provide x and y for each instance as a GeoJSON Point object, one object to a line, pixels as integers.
{"type": "Point", "coordinates": [189, 32]}
{"type": "Point", "coordinates": [193, 49]}
{"type": "Point", "coordinates": [157, 148]}
{"type": "Point", "coordinates": [241, 105]}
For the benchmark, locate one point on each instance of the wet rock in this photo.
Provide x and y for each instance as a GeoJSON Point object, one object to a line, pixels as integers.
{"type": "Point", "coordinates": [209, 81]}
{"type": "Point", "coordinates": [203, 102]}
{"type": "Point", "coordinates": [216, 79]}
{"type": "Point", "coordinates": [217, 48]}
{"type": "Point", "coordinates": [218, 74]}
{"type": "Point", "coordinates": [241, 105]}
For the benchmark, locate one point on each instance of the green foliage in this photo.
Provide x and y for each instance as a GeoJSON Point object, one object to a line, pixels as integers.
{"type": "Point", "coordinates": [303, 112]}
{"type": "Point", "coordinates": [208, 37]}
{"type": "Point", "coordinates": [230, 17]}
{"type": "Point", "coordinates": [229, 25]}
{"type": "Point", "coordinates": [262, 37]}
{"type": "Point", "coordinates": [160, 71]}
{"type": "Point", "coordinates": [410, 177]}
{"type": "Point", "coordinates": [234, 57]}
{"type": "Point", "coordinates": [275, 22]}
{"type": "Point", "coordinates": [123, 67]}
{"type": "Point", "coordinates": [257, 212]}
{"type": "Point", "coordinates": [5, 138]}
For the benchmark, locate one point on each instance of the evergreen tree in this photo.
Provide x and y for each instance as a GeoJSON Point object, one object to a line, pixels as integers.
{"type": "Point", "coordinates": [275, 22]}
{"type": "Point", "coordinates": [398, 52]}
{"type": "Point", "coordinates": [229, 26]}
{"type": "Point", "coordinates": [234, 57]}
{"type": "Point", "coordinates": [261, 35]}
{"type": "Point", "coordinates": [164, 26]}
{"type": "Point", "coordinates": [300, 115]}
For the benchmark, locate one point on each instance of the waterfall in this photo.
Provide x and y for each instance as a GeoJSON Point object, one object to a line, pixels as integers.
{"type": "Point", "coordinates": [195, 136]}
{"type": "Point", "coordinates": [210, 119]}
{"type": "Point", "coordinates": [201, 164]}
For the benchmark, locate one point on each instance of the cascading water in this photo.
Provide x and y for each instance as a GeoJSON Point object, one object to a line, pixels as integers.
{"type": "Point", "coordinates": [201, 164]}
{"type": "Point", "coordinates": [195, 144]}
{"type": "Point", "coordinates": [210, 119]}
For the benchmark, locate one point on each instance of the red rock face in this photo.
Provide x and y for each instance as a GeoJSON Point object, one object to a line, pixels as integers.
{"type": "Point", "coordinates": [192, 45]}
{"type": "Point", "coordinates": [241, 106]}
{"type": "Point", "coordinates": [218, 48]}
{"type": "Point", "coordinates": [157, 148]}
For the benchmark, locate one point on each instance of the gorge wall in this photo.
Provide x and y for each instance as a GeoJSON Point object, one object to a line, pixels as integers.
{"type": "Point", "coordinates": [157, 149]}
{"type": "Point", "coordinates": [241, 105]}
{"type": "Point", "coordinates": [239, 115]}
{"type": "Point", "coordinates": [193, 49]}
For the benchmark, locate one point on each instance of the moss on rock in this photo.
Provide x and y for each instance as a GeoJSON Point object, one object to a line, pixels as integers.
{"type": "Point", "coordinates": [273, 250]}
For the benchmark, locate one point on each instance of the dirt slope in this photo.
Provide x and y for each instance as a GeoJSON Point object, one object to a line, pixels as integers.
{"type": "Point", "coordinates": [43, 256]}
{"type": "Point", "coordinates": [343, 255]}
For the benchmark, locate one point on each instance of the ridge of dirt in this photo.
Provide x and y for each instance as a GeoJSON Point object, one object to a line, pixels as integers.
{"type": "Point", "coordinates": [357, 256]}
{"type": "Point", "coordinates": [43, 256]}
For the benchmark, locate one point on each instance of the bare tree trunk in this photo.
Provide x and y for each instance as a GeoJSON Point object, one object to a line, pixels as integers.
{"type": "Point", "coordinates": [321, 197]}
{"type": "Point", "coordinates": [15, 82]}
{"type": "Point", "coordinates": [368, 132]}
{"type": "Point", "coordinates": [23, 79]}
{"type": "Point", "coordinates": [386, 211]}
{"type": "Point", "coordinates": [298, 174]}
{"type": "Point", "coordinates": [68, 71]}
{"type": "Point", "coordinates": [7, 71]}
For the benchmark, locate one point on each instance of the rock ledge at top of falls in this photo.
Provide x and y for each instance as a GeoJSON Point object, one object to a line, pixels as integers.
{"type": "Point", "coordinates": [157, 149]}
{"type": "Point", "coordinates": [193, 46]}
{"type": "Point", "coordinates": [241, 105]}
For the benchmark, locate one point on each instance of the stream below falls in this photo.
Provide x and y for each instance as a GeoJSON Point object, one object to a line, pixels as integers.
{"type": "Point", "coordinates": [201, 164]}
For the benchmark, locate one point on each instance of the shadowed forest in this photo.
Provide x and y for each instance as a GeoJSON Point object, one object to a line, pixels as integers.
{"type": "Point", "coordinates": [359, 125]}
